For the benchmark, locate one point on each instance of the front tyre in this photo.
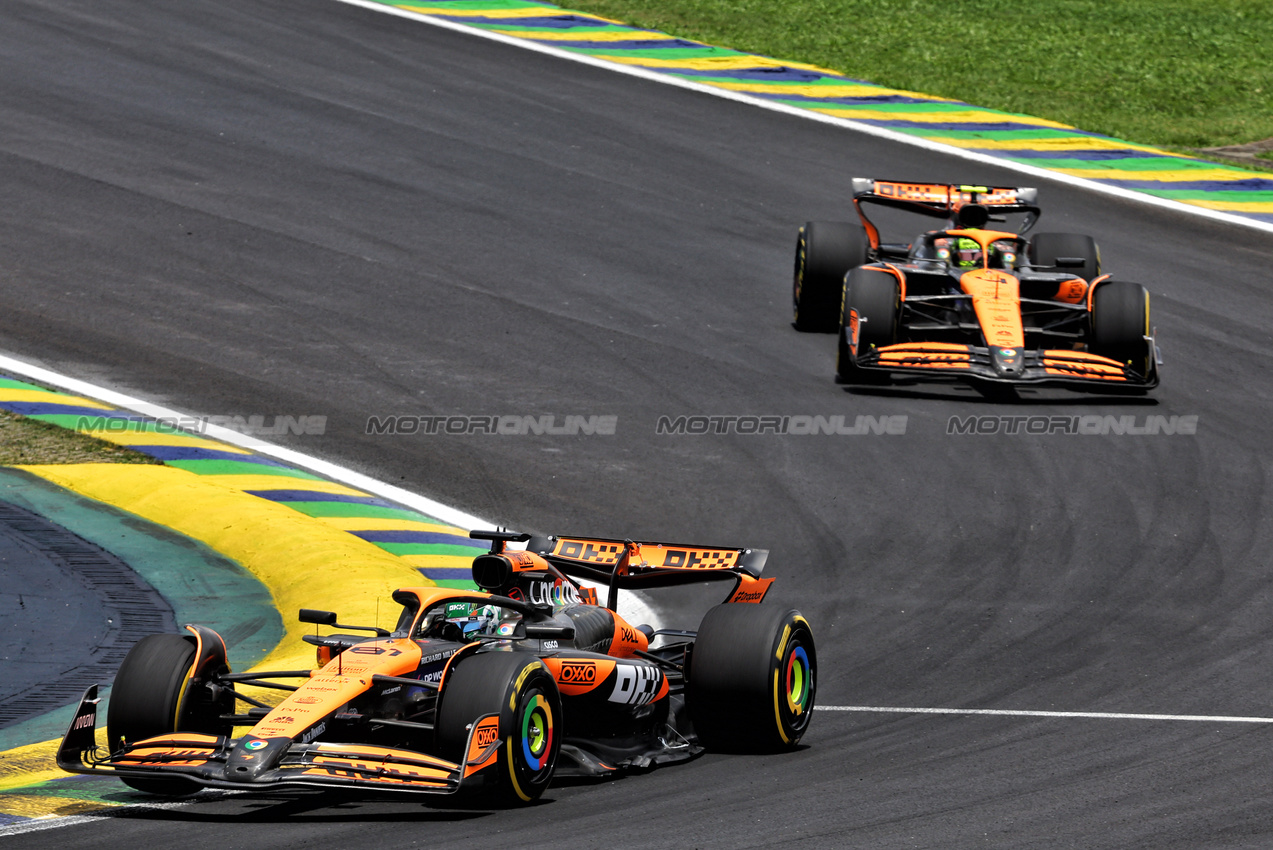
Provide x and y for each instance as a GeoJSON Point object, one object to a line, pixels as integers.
{"type": "Point", "coordinates": [153, 695]}
{"type": "Point", "coordinates": [870, 315]}
{"type": "Point", "coordinates": [1120, 324]}
{"type": "Point", "coordinates": [825, 251]}
{"type": "Point", "coordinates": [521, 689]}
{"type": "Point", "coordinates": [752, 678]}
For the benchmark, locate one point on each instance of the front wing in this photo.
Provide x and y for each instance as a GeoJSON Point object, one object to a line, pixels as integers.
{"type": "Point", "coordinates": [253, 764]}
{"type": "Point", "coordinates": [1040, 367]}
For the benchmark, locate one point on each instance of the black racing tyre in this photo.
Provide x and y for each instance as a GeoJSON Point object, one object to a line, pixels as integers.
{"type": "Point", "coordinates": [825, 251]}
{"type": "Point", "coordinates": [1045, 248]}
{"type": "Point", "coordinates": [875, 297]}
{"type": "Point", "coordinates": [752, 678]}
{"type": "Point", "coordinates": [1120, 323]}
{"type": "Point", "coordinates": [152, 696]}
{"type": "Point", "coordinates": [520, 688]}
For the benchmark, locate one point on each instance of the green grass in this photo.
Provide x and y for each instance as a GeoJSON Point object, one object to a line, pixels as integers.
{"type": "Point", "coordinates": [30, 441]}
{"type": "Point", "coordinates": [1177, 73]}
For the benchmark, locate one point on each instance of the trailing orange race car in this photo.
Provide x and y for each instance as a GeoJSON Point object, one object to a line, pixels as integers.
{"type": "Point", "coordinates": [494, 691]}
{"type": "Point", "coordinates": [982, 305]}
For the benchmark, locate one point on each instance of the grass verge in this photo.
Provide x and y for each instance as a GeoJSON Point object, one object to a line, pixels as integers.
{"type": "Point", "coordinates": [1182, 74]}
{"type": "Point", "coordinates": [30, 441]}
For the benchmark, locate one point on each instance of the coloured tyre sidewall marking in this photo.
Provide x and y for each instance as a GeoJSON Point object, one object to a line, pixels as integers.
{"type": "Point", "coordinates": [537, 732]}
{"type": "Point", "coordinates": [798, 680]}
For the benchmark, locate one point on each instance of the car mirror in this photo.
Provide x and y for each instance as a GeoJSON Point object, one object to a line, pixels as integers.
{"type": "Point", "coordinates": [317, 617]}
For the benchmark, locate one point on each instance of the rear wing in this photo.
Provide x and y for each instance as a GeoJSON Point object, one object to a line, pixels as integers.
{"type": "Point", "coordinates": [943, 200]}
{"type": "Point", "coordinates": [631, 565]}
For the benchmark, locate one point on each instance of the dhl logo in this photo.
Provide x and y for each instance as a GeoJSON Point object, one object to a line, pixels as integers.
{"type": "Point", "coordinates": [699, 558]}
{"type": "Point", "coordinates": [913, 192]}
{"type": "Point", "coordinates": [377, 773]}
{"type": "Point", "coordinates": [589, 550]}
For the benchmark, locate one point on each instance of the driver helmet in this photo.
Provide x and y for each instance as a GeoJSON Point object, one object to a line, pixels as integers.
{"type": "Point", "coordinates": [966, 253]}
{"type": "Point", "coordinates": [483, 621]}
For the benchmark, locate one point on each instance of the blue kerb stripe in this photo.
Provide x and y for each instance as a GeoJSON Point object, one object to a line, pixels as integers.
{"type": "Point", "coordinates": [1197, 186]}
{"type": "Point", "coordinates": [769, 74]}
{"type": "Point", "coordinates": [318, 496]}
{"type": "Point", "coordinates": [548, 21]}
{"type": "Point", "coordinates": [197, 453]}
{"type": "Point", "coordinates": [848, 100]}
{"type": "Point", "coordinates": [965, 126]}
{"type": "Point", "coordinates": [1089, 155]}
{"type": "Point", "coordinates": [39, 408]}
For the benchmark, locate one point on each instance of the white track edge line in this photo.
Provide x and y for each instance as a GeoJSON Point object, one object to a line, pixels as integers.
{"type": "Point", "coordinates": [334, 471]}
{"type": "Point", "coordinates": [1097, 715]}
{"type": "Point", "coordinates": [891, 135]}
{"type": "Point", "coordinates": [635, 606]}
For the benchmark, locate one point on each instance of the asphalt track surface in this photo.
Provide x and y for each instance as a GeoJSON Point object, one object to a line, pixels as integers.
{"type": "Point", "coordinates": [297, 208]}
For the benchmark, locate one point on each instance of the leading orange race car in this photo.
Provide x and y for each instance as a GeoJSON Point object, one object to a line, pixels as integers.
{"type": "Point", "coordinates": [493, 691]}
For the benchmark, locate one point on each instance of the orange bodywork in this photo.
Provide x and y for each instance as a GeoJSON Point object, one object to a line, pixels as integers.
{"type": "Point", "coordinates": [341, 680]}
{"type": "Point", "coordinates": [182, 749]}
{"type": "Point", "coordinates": [750, 589]}
{"type": "Point", "coordinates": [577, 676]}
{"type": "Point", "coordinates": [935, 355]}
{"type": "Point", "coordinates": [996, 295]}
{"type": "Point", "coordinates": [996, 298]}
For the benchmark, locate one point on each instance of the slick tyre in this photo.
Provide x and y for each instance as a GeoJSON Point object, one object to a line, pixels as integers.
{"type": "Point", "coordinates": [871, 308]}
{"type": "Point", "coordinates": [1120, 323]}
{"type": "Point", "coordinates": [1047, 248]}
{"type": "Point", "coordinates": [752, 678]}
{"type": "Point", "coordinates": [520, 688]}
{"type": "Point", "coordinates": [825, 251]}
{"type": "Point", "coordinates": [152, 695]}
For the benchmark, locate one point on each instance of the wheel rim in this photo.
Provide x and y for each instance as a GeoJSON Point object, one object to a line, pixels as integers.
{"type": "Point", "coordinates": [537, 732]}
{"type": "Point", "coordinates": [799, 679]}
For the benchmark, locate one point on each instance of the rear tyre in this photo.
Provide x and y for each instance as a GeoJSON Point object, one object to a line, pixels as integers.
{"type": "Point", "coordinates": [825, 251]}
{"type": "Point", "coordinates": [752, 678]}
{"type": "Point", "coordinates": [152, 695]}
{"type": "Point", "coordinates": [1047, 248]}
{"type": "Point", "coordinates": [1120, 323]}
{"type": "Point", "coordinates": [871, 309]}
{"type": "Point", "coordinates": [521, 689]}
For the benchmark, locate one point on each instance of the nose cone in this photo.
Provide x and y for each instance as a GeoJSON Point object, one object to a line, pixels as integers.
{"type": "Point", "coordinates": [1007, 361]}
{"type": "Point", "coordinates": [253, 756]}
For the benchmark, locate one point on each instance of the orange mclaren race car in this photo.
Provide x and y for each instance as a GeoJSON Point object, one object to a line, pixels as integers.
{"type": "Point", "coordinates": [494, 691]}
{"type": "Point", "coordinates": [984, 305]}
